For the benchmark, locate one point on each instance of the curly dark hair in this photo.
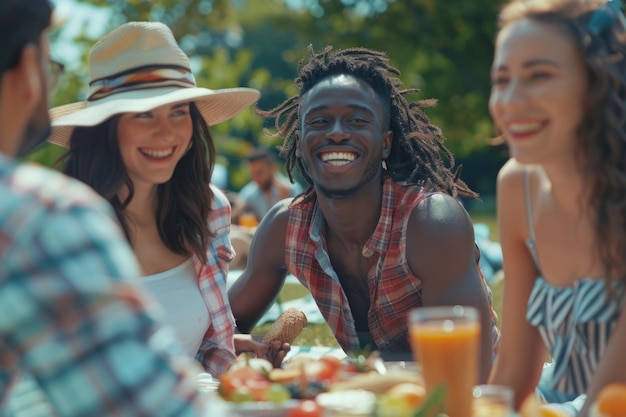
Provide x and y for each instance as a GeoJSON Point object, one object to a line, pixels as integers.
{"type": "Point", "coordinates": [184, 201]}
{"type": "Point", "coordinates": [597, 29]}
{"type": "Point", "coordinates": [417, 149]}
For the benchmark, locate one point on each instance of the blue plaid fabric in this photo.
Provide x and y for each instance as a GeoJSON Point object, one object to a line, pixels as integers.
{"type": "Point", "coordinates": [71, 320]}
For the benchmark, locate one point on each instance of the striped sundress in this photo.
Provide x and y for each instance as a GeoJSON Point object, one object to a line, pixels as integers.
{"type": "Point", "coordinates": [575, 322]}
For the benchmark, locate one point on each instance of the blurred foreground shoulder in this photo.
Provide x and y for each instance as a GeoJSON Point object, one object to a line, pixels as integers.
{"type": "Point", "coordinates": [43, 187]}
{"type": "Point", "coordinates": [511, 175]}
{"type": "Point", "coordinates": [60, 223]}
{"type": "Point", "coordinates": [511, 188]}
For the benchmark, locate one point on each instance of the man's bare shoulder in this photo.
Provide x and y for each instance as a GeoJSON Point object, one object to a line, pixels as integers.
{"type": "Point", "coordinates": [438, 214]}
{"type": "Point", "coordinates": [278, 215]}
{"type": "Point", "coordinates": [269, 238]}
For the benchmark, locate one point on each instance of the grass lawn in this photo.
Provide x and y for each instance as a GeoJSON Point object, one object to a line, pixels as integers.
{"type": "Point", "coordinates": [313, 334]}
{"type": "Point", "coordinates": [321, 335]}
{"type": "Point", "coordinates": [490, 220]}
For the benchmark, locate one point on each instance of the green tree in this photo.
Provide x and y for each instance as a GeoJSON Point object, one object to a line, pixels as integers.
{"type": "Point", "coordinates": [443, 48]}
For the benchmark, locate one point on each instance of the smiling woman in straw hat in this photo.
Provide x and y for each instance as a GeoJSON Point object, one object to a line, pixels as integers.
{"type": "Point", "coordinates": [142, 141]}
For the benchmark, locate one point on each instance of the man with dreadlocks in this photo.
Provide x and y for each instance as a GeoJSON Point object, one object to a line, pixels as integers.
{"type": "Point", "coordinates": [378, 231]}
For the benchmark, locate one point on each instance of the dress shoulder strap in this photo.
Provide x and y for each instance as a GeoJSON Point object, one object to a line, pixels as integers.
{"type": "Point", "coordinates": [530, 241]}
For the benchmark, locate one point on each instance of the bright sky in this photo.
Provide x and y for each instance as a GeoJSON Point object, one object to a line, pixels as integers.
{"type": "Point", "coordinates": [76, 16]}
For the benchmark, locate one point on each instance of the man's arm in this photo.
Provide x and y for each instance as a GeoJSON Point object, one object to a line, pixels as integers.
{"type": "Point", "coordinates": [441, 252]}
{"type": "Point", "coordinates": [256, 289]}
{"type": "Point", "coordinates": [81, 328]}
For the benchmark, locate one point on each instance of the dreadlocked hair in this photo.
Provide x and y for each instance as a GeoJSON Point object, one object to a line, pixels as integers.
{"type": "Point", "coordinates": [417, 149]}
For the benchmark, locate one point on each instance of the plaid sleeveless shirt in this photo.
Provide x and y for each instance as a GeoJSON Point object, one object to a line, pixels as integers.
{"type": "Point", "coordinates": [393, 288]}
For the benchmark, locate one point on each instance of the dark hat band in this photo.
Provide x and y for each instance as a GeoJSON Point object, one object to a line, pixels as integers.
{"type": "Point", "coordinates": [144, 78]}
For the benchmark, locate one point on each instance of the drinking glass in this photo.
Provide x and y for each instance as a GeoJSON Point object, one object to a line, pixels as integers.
{"type": "Point", "coordinates": [445, 341]}
{"type": "Point", "coordinates": [492, 401]}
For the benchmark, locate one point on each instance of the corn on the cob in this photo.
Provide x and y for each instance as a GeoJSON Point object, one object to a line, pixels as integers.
{"type": "Point", "coordinates": [287, 327]}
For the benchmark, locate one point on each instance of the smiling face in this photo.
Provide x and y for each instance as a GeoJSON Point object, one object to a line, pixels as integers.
{"type": "Point", "coordinates": [343, 137]}
{"type": "Point", "coordinates": [539, 86]}
{"type": "Point", "coordinates": [152, 143]}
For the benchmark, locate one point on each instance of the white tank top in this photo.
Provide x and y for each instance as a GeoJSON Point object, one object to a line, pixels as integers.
{"type": "Point", "coordinates": [176, 290]}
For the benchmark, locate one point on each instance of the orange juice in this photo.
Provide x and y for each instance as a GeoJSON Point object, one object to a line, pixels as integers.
{"type": "Point", "coordinates": [552, 410]}
{"type": "Point", "coordinates": [493, 401]}
{"type": "Point", "coordinates": [487, 409]}
{"type": "Point", "coordinates": [448, 353]}
{"type": "Point", "coordinates": [248, 220]}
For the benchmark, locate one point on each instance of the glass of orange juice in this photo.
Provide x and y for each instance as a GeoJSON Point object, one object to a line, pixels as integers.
{"type": "Point", "coordinates": [493, 401]}
{"type": "Point", "coordinates": [445, 341]}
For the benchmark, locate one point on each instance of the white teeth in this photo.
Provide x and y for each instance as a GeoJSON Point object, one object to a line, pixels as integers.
{"type": "Point", "coordinates": [338, 158]}
{"type": "Point", "coordinates": [523, 127]}
{"type": "Point", "coordinates": [157, 154]}
{"type": "Point", "coordinates": [338, 163]}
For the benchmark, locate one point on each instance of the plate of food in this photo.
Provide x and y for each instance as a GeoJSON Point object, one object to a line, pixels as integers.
{"type": "Point", "coordinates": [262, 408]}
{"type": "Point", "coordinates": [253, 387]}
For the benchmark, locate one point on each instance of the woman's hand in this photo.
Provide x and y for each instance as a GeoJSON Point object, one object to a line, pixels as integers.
{"type": "Point", "coordinates": [274, 352]}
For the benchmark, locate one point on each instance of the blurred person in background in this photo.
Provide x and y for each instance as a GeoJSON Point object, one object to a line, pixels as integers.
{"type": "Point", "coordinates": [267, 186]}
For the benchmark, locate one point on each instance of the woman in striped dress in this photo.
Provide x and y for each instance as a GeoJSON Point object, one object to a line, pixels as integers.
{"type": "Point", "coordinates": [558, 99]}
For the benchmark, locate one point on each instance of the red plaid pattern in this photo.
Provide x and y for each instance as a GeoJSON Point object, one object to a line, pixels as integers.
{"type": "Point", "coordinates": [217, 350]}
{"type": "Point", "coordinates": [394, 289]}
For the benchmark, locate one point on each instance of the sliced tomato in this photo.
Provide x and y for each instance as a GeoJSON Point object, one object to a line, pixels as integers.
{"type": "Point", "coordinates": [244, 376]}
{"type": "Point", "coordinates": [333, 361]}
{"type": "Point", "coordinates": [322, 370]}
{"type": "Point", "coordinates": [258, 389]}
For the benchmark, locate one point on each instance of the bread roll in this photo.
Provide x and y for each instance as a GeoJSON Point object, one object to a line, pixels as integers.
{"type": "Point", "coordinates": [287, 327]}
{"type": "Point", "coordinates": [375, 382]}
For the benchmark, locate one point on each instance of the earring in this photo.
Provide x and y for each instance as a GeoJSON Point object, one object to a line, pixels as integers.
{"type": "Point", "coordinates": [384, 164]}
{"type": "Point", "coordinates": [298, 153]}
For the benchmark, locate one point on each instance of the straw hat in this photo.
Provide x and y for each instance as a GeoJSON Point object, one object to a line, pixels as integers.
{"type": "Point", "coordinates": [136, 68]}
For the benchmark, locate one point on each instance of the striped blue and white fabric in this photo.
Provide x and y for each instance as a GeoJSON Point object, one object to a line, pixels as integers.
{"type": "Point", "coordinates": [575, 324]}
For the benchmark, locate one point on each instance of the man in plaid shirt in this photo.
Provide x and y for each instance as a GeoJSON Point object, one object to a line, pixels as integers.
{"type": "Point", "coordinates": [71, 322]}
{"type": "Point", "coordinates": [378, 232]}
